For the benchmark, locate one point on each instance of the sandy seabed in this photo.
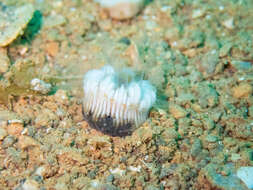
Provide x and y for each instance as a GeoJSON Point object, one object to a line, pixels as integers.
{"type": "Point", "coordinates": [198, 54]}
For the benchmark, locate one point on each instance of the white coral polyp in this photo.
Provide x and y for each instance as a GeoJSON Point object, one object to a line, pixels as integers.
{"type": "Point", "coordinates": [108, 93]}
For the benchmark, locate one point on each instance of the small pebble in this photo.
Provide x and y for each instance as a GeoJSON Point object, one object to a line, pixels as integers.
{"type": "Point", "coordinates": [8, 141]}
{"type": "Point", "coordinates": [4, 60]}
{"type": "Point", "coordinates": [40, 86]}
{"type": "Point", "coordinates": [235, 157]}
{"type": "Point", "coordinates": [118, 171]}
{"type": "Point", "coordinates": [54, 20]}
{"type": "Point", "coordinates": [177, 111]}
{"type": "Point", "coordinates": [52, 48]}
{"type": "Point", "coordinates": [251, 111]}
{"type": "Point", "coordinates": [123, 9]}
{"type": "Point", "coordinates": [61, 186]}
{"type": "Point", "coordinates": [209, 124]}
{"type": "Point", "coordinates": [135, 169]}
{"type": "Point", "coordinates": [125, 40]}
{"type": "Point", "coordinates": [40, 171]}
{"type": "Point", "coordinates": [26, 141]}
{"type": "Point", "coordinates": [242, 65]}
{"type": "Point", "coordinates": [170, 134]}
{"type": "Point", "coordinates": [196, 147]}
{"type": "Point", "coordinates": [225, 49]}
{"type": "Point", "coordinates": [242, 90]}
{"type": "Point", "coordinates": [211, 138]}
{"type": "Point", "coordinates": [110, 178]}
{"type": "Point", "coordinates": [15, 129]}
{"type": "Point", "coordinates": [198, 13]}
{"type": "Point", "coordinates": [229, 23]}
{"type": "Point", "coordinates": [3, 133]}
{"type": "Point", "coordinates": [246, 175]}
{"type": "Point", "coordinates": [61, 96]}
{"type": "Point", "coordinates": [30, 185]}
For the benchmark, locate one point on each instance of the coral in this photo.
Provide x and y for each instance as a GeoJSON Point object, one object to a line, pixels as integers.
{"type": "Point", "coordinates": [116, 101]}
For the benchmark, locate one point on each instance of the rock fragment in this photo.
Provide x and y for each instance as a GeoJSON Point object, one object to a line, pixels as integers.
{"type": "Point", "coordinates": [61, 96]}
{"type": "Point", "coordinates": [12, 22]}
{"type": "Point", "coordinates": [177, 111]}
{"type": "Point", "coordinates": [54, 20]}
{"type": "Point", "coordinates": [40, 86]}
{"type": "Point", "coordinates": [30, 185]}
{"type": "Point", "coordinates": [15, 128]}
{"type": "Point", "coordinates": [229, 23]}
{"type": "Point", "coordinates": [208, 63]}
{"type": "Point", "coordinates": [242, 65]}
{"type": "Point", "coordinates": [26, 141]}
{"type": "Point", "coordinates": [4, 60]}
{"type": "Point", "coordinates": [242, 90]}
{"type": "Point", "coordinates": [216, 177]}
{"type": "Point", "coordinates": [197, 13]}
{"type": "Point", "coordinates": [122, 9]}
{"type": "Point", "coordinates": [246, 175]}
{"type": "Point", "coordinates": [52, 48]}
{"type": "Point", "coordinates": [3, 133]}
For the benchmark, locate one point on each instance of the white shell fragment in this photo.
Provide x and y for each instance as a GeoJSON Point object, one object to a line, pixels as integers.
{"type": "Point", "coordinates": [12, 22]}
{"type": "Point", "coordinates": [246, 175]}
{"type": "Point", "coordinates": [40, 86]}
{"type": "Point", "coordinates": [117, 171]}
{"type": "Point", "coordinates": [229, 23]}
{"type": "Point", "coordinates": [122, 9]}
{"type": "Point", "coordinates": [108, 93]}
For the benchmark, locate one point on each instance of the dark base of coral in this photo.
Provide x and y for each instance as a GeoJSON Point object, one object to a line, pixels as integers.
{"type": "Point", "coordinates": [106, 126]}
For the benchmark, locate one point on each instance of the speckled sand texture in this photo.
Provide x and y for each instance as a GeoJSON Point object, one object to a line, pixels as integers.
{"type": "Point", "coordinates": [198, 55]}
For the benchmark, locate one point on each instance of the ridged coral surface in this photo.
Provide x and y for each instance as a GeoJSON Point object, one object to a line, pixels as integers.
{"type": "Point", "coordinates": [109, 93]}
